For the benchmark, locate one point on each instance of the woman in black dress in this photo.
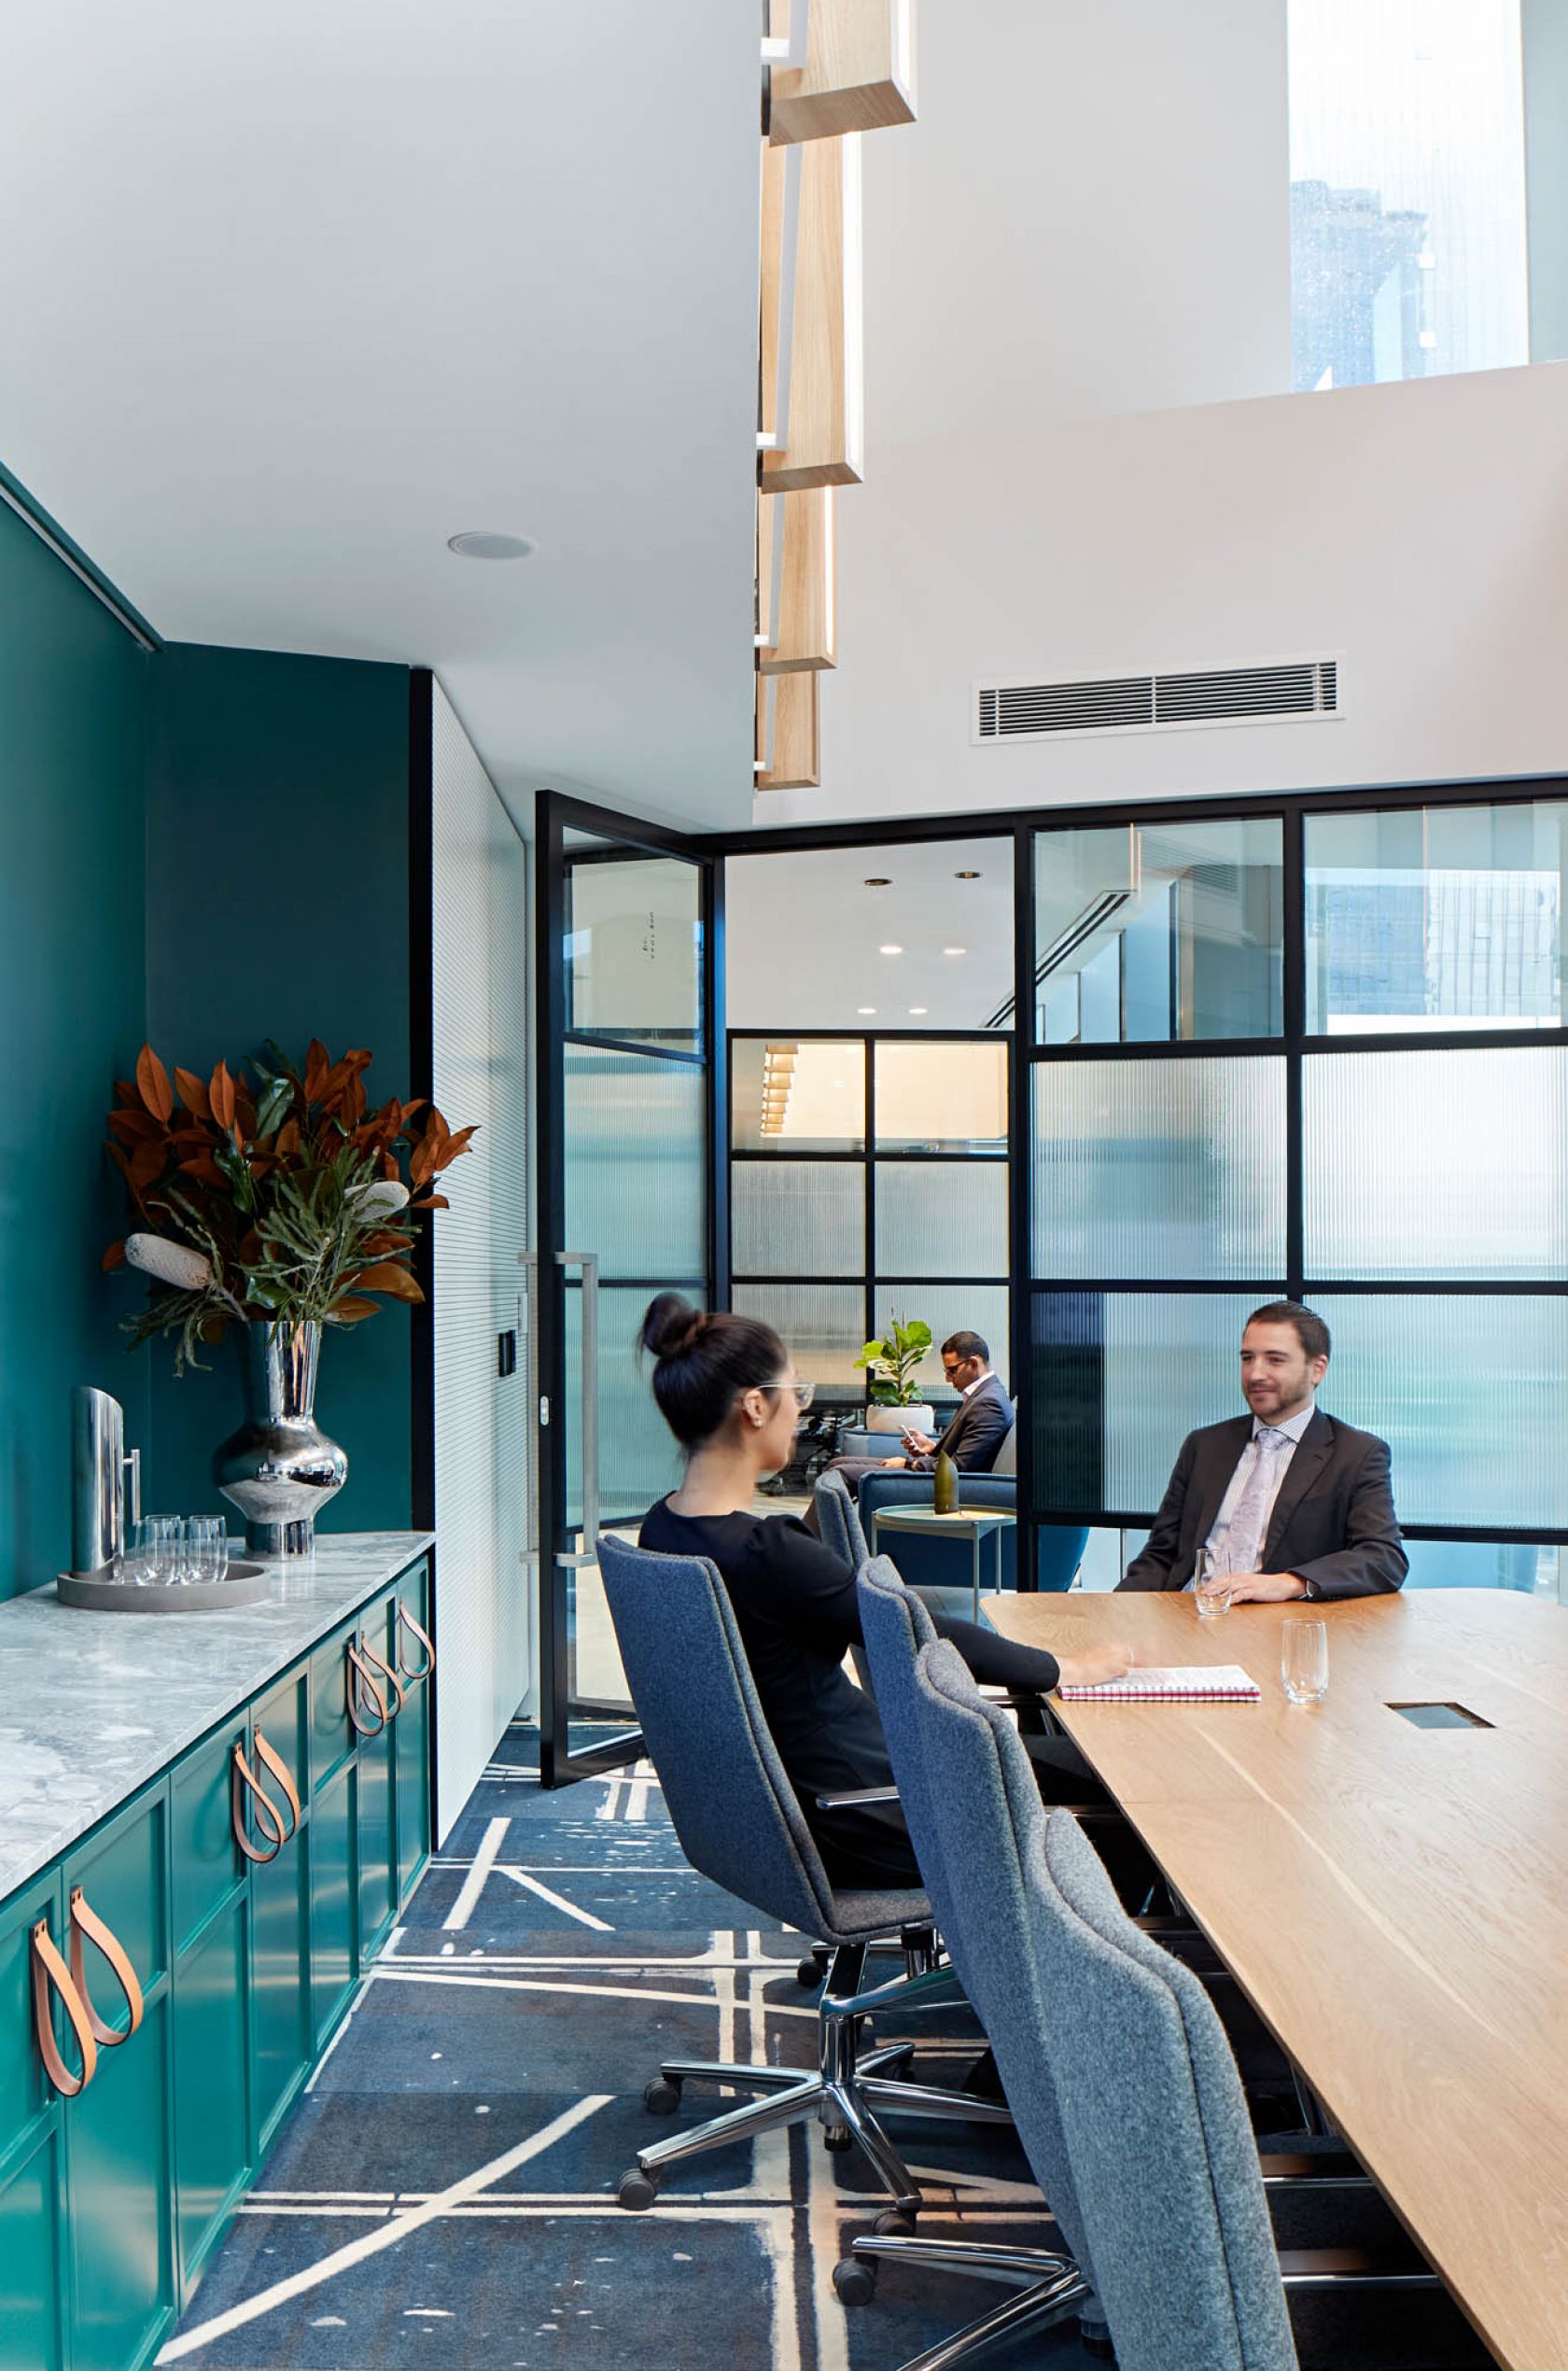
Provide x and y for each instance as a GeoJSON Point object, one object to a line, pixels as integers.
{"type": "Point", "coordinates": [727, 1389]}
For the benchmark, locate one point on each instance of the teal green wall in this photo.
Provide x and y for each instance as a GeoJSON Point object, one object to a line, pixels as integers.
{"type": "Point", "coordinates": [74, 690]}
{"type": "Point", "coordinates": [277, 903]}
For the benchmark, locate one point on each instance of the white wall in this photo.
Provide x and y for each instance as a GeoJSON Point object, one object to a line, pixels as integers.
{"type": "Point", "coordinates": [485, 1598]}
{"type": "Point", "coordinates": [1081, 456]}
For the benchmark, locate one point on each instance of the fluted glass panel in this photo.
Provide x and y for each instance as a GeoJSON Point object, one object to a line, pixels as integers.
{"type": "Point", "coordinates": [1471, 1396]}
{"type": "Point", "coordinates": [635, 1146]}
{"type": "Point", "coordinates": [798, 1218]}
{"type": "Point", "coordinates": [1439, 918]}
{"type": "Point", "coordinates": [633, 947]}
{"type": "Point", "coordinates": [1452, 1163]}
{"type": "Point", "coordinates": [942, 1218]}
{"type": "Point", "coordinates": [939, 1094]}
{"type": "Point", "coordinates": [822, 1326]}
{"type": "Point", "coordinates": [1161, 1169]}
{"type": "Point", "coordinates": [638, 1461]}
{"type": "Point", "coordinates": [1120, 1379]}
{"type": "Point", "coordinates": [797, 1095]}
{"type": "Point", "coordinates": [1159, 931]}
{"type": "Point", "coordinates": [949, 1309]}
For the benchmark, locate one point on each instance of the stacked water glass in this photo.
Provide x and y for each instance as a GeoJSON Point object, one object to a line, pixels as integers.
{"type": "Point", "coordinates": [171, 1551]}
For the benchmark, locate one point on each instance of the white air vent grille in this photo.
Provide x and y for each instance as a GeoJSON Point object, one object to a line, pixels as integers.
{"type": "Point", "coordinates": [1023, 711]}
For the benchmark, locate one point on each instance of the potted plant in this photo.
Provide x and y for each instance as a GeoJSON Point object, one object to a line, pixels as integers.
{"type": "Point", "coordinates": [891, 1365]}
{"type": "Point", "coordinates": [272, 1198]}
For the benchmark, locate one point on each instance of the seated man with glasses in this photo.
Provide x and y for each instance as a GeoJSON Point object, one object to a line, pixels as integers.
{"type": "Point", "coordinates": [979, 1425]}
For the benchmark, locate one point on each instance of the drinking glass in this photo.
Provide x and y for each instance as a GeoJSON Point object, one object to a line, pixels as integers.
{"type": "Point", "coordinates": [1210, 1589]}
{"type": "Point", "coordinates": [1304, 1661]}
{"type": "Point", "coordinates": [206, 1548]}
{"type": "Point", "coordinates": [165, 1547]}
{"type": "Point", "coordinates": [136, 1563]}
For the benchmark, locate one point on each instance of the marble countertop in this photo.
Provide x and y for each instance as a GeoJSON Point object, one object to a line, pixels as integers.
{"type": "Point", "coordinates": [92, 1705]}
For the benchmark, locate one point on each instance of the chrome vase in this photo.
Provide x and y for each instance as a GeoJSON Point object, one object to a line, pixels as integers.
{"type": "Point", "coordinates": [280, 1469]}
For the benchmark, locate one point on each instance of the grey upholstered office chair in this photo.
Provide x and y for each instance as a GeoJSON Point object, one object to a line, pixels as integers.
{"type": "Point", "coordinates": [739, 1824]}
{"type": "Point", "coordinates": [1112, 2063]}
{"type": "Point", "coordinates": [897, 1626]}
{"type": "Point", "coordinates": [838, 1519]}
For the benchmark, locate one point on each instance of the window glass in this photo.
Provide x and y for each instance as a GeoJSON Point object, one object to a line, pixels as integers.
{"type": "Point", "coordinates": [635, 1163]}
{"type": "Point", "coordinates": [935, 1217]}
{"type": "Point", "coordinates": [798, 1095]}
{"type": "Point", "coordinates": [1440, 918]}
{"type": "Point", "coordinates": [1449, 1163]}
{"type": "Point", "coordinates": [1152, 932]}
{"type": "Point", "coordinates": [1408, 251]}
{"type": "Point", "coordinates": [942, 1095]}
{"type": "Point", "coordinates": [822, 1325]}
{"type": "Point", "coordinates": [798, 1218]}
{"type": "Point", "coordinates": [1470, 1394]}
{"type": "Point", "coordinates": [1169, 1169]}
{"type": "Point", "coordinates": [1486, 1564]}
{"type": "Point", "coordinates": [1120, 1380]}
{"type": "Point", "coordinates": [634, 949]}
{"type": "Point", "coordinates": [949, 1309]}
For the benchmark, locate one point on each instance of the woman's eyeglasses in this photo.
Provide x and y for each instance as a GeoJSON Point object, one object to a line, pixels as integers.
{"type": "Point", "coordinates": [805, 1393]}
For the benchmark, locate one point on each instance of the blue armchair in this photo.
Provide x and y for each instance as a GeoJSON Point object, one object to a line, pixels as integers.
{"type": "Point", "coordinates": [941, 1563]}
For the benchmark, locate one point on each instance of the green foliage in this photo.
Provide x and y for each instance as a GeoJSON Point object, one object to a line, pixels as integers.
{"type": "Point", "coordinates": [891, 1361]}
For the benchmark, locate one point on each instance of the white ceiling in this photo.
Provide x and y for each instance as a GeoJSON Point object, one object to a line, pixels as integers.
{"type": "Point", "coordinates": [804, 935]}
{"type": "Point", "coordinates": [293, 294]}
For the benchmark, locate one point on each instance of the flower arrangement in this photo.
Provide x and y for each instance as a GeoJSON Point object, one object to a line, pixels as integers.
{"type": "Point", "coordinates": [891, 1361]}
{"type": "Point", "coordinates": [270, 1193]}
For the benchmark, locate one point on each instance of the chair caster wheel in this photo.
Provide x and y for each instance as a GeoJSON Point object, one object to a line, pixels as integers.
{"type": "Point", "coordinates": [837, 2137]}
{"type": "Point", "coordinates": [638, 2190]}
{"type": "Point", "coordinates": [1095, 2338]}
{"type": "Point", "coordinates": [660, 2098]}
{"type": "Point", "coordinates": [894, 2224]}
{"type": "Point", "coordinates": [854, 2281]}
{"type": "Point", "coordinates": [810, 1973]}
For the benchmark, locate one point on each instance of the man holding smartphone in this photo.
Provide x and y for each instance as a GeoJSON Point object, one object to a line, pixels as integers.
{"type": "Point", "coordinates": [980, 1422]}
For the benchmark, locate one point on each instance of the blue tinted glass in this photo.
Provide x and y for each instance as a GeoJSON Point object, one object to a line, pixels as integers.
{"type": "Point", "coordinates": [635, 1155]}
{"type": "Point", "coordinates": [1120, 1380]}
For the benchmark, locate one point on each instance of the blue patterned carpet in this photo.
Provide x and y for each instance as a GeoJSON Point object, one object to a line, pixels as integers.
{"type": "Point", "coordinates": [443, 2198]}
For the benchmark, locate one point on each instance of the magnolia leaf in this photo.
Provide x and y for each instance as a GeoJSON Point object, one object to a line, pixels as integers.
{"type": "Point", "coordinates": [221, 1091]}
{"type": "Point", "coordinates": [136, 1128]}
{"type": "Point", "coordinates": [432, 1201]}
{"type": "Point", "coordinates": [152, 1080]}
{"type": "Point", "coordinates": [125, 1093]}
{"type": "Point", "coordinates": [193, 1093]}
{"type": "Point", "coordinates": [204, 1168]}
{"type": "Point", "coordinates": [147, 1164]}
{"type": "Point", "coordinates": [272, 1106]}
{"type": "Point", "coordinates": [384, 1277]}
{"type": "Point", "coordinates": [352, 1310]}
{"type": "Point", "coordinates": [287, 1144]}
{"type": "Point", "coordinates": [112, 1257]}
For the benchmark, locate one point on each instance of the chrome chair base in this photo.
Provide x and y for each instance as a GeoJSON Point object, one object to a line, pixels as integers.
{"type": "Point", "coordinates": [1053, 2289]}
{"type": "Point", "coordinates": [848, 2093]}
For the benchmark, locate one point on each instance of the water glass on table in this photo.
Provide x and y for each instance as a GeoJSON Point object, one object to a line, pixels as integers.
{"type": "Point", "coordinates": [206, 1549]}
{"type": "Point", "coordinates": [1304, 1661]}
{"type": "Point", "coordinates": [1210, 1589]}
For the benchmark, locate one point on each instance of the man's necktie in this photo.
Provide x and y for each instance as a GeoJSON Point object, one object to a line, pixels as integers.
{"type": "Point", "coordinates": [1241, 1548]}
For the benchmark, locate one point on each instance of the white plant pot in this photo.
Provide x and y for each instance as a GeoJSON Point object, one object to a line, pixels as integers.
{"type": "Point", "coordinates": [921, 1418]}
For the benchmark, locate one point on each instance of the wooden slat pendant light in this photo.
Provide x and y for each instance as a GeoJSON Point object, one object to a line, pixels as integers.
{"type": "Point", "coordinates": [802, 631]}
{"type": "Point", "coordinates": [858, 73]}
{"type": "Point", "coordinates": [791, 739]}
{"type": "Point", "coordinates": [821, 427]}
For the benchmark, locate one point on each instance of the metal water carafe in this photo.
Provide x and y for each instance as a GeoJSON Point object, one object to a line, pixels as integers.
{"type": "Point", "coordinates": [99, 1464]}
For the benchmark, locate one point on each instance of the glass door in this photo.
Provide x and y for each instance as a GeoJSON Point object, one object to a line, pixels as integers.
{"type": "Point", "coordinates": [629, 1093]}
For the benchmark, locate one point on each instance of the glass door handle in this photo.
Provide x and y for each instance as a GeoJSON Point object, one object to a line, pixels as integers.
{"type": "Point", "coordinates": [589, 1263]}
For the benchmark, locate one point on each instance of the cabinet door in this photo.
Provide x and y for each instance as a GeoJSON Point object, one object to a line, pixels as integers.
{"type": "Point", "coordinates": [331, 1738]}
{"type": "Point", "coordinates": [334, 1925]}
{"type": "Point", "coordinates": [212, 2117]}
{"type": "Point", "coordinates": [378, 1841]}
{"type": "Point", "coordinates": [206, 1860]}
{"type": "Point", "coordinates": [32, 2259]}
{"type": "Point", "coordinates": [280, 1918]}
{"type": "Point", "coordinates": [118, 2163]}
{"type": "Point", "coordinates": [413, 1734]}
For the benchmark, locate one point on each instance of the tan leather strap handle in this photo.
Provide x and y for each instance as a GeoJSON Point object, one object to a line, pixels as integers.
{"type": "Point", "coordinates": [242, 1781]}
{"type": "Point", "coordinates": [387, 1672]}
{"type": "Point", "coordinates": [359, 1667]}
{"type": "Point", "coordinates": [406, 1622]}
{"type": "Point", "coordinates": [49, 1968]}
{"type": "Point", "coordinates": [274, 1765]}
{"type": "Point", "coordinates": [86, 1921]}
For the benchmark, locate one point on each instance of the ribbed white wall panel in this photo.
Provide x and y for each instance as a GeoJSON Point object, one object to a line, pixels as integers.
{"type": "Point", "coordinates": [479, 940]}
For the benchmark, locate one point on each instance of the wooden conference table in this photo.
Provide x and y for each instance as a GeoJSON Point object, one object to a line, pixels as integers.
{"type": "Point", "coordinates": [1392, 1898]}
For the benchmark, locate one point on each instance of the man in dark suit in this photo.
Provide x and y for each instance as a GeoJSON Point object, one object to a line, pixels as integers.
{"type": "Point", "coordinates": [979, 1425]}
{"type": "Point", "coordinates": [1290, 1501]}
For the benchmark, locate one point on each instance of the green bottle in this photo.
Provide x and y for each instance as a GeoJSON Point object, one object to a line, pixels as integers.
{"type": "Point", "coordinates": [944, 1494]}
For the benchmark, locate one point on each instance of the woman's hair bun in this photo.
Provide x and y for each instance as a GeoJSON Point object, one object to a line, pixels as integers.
{"type": "Point", "coordinates": [671, 1326]}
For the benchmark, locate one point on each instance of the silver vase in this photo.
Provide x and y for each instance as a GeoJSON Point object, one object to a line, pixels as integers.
{"type": "Point", "coordinates": [280, 1469]}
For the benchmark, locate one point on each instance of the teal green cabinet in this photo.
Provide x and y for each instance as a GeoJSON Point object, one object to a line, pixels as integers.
{"type": "Point", "coordinates": [119, 2162]}
{"type": "Point", "coordinates": [334, 1922]}
{"type": "Point", "coordinates": [246, 1934]}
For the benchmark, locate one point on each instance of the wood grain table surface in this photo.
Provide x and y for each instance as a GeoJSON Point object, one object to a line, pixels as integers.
{"type": "Point", "coordinates": [1392, 1898]}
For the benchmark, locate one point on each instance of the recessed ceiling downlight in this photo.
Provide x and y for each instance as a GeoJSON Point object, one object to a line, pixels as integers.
{"type": "Point", "coordinates": [481, 544]}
